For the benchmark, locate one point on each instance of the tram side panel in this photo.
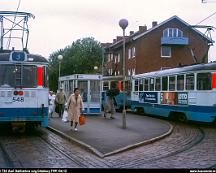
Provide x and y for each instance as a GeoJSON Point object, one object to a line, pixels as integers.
{"type": "Point", "coordinates": [195, 106]}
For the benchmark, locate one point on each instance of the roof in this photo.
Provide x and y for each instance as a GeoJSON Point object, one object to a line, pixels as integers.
{"type": "Point", "coordinates": [171, 18]}
{"type": "Point", "coordinates": [139, 34]}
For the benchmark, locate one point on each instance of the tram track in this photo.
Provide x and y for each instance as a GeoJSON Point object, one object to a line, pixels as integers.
{"type": "Point", "coordinates": [7, 161]}
{"type": "Point", "coordinates": [186, 144]}
{"type": "Point", "coordinates": [160, 150]}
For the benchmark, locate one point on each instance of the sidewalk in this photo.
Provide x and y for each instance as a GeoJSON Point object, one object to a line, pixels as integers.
{"type": "Point", "coordinates": [106, 136]}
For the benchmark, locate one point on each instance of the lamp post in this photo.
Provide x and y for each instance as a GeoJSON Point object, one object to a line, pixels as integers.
{"type": "Point", "coordinates": [60, 57]}
{"type": "Point", "coordinates": [123, 23]}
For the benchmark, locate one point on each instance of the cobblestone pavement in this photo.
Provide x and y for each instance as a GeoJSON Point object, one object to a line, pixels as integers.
{"type": "Point", "coordinates": [189, 146]}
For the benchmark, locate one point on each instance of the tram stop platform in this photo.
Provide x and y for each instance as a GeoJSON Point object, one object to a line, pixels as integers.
{"type": "Point", "coordinates": [105, 136]}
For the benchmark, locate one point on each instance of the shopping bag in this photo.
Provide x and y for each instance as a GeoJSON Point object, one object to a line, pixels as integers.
{"type": "Point", "coordinates": [65, 116]}
{"type": "Point", "coordinates": [82, 120]}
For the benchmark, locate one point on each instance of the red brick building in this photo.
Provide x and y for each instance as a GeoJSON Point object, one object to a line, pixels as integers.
{"type": "Point", "coordinates": [169, 44]}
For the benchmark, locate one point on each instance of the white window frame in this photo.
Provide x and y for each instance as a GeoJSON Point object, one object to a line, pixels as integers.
{"type": "Point", "coordinates": [129, 53]}
{"type": "Point", "coordinates": [166, 56]}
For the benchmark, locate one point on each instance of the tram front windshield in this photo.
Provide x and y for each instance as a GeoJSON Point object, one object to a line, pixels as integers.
{"type": "Point", "coordinates": [18, 75]}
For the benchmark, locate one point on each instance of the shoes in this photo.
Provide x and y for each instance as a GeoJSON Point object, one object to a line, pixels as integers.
{"type": "Point", "coordinates": [75, 129]}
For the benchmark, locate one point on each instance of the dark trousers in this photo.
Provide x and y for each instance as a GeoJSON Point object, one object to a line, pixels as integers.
{"type": "Point", "coordinates": [61, 109]}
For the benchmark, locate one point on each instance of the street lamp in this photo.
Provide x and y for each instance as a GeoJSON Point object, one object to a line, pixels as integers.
{"type": "Point", "coordinates": [123, 23]}
{"type": "Point", "coordinates": [60, 57]}
{"type": "Point", "coordinates": [96, 68]}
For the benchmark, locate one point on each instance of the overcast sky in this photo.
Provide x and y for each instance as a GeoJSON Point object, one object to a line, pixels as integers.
{"type": "Point", "coordinates": [58, 23]}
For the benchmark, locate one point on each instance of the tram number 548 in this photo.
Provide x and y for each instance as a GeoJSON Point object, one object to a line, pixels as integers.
{"type": "Point", "coordinates": [18, 99]}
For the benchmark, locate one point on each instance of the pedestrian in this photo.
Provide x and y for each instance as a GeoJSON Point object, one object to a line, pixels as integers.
{"type": "Point", "coordinates": [111, 93]}
{"type": "Point", "coordinates": [75, 103]}
{"type": "Point", "coordinates": [51, 103]}
{"type": "Point", "coordinates": [111, 106]}
{"type": "Point", "coordinates": [60, 100]}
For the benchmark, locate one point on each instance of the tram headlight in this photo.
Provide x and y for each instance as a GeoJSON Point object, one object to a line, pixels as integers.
{"type": "Point", "coordinates": [16, 93]}
{"type": "Point", "coordinates": [20, 93]}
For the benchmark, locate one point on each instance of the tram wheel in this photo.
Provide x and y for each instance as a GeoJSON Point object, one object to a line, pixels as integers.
{"type": "Point", "coordinates": [182, 117]}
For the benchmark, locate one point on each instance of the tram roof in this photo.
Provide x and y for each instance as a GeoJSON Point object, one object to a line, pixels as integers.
{"type": "Point", "coordinates": [5, 56]}
{"type": "Point", "coordinates": [178, 70]}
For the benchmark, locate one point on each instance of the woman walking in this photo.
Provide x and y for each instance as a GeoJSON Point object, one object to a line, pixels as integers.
{"type": "Point", "coordinates": [75, 103]}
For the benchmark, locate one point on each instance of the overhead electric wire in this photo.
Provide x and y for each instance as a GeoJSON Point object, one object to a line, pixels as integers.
{"type": "Point", "coordinates": [207, 18]}
{"type": "Point", "coordinates": [9, 40]}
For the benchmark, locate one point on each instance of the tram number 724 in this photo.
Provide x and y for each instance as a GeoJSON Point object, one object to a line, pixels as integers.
{"type": "Point", "coordinates": [18, 99]}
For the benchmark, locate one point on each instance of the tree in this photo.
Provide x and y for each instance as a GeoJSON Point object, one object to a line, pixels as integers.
{"type": "Point", "coordinates": [78, 58]}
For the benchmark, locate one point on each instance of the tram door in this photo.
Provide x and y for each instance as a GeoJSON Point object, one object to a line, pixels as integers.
{"type": "Point", "coordinates": [90, 92]}
{"type": "Point", "coordinates": [83, 87]}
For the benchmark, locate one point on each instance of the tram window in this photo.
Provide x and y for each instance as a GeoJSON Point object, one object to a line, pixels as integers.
{"type": "Point", "coordinates": [204, 81]}
{"type": "Point", "coordinates": [151, 84]}
{"type": "Point", "coordinates": [45, 76]}
{"type": "Point", "coordinates": [141, 85]}
{"type": "Point", "coordinates": [164, 83]}
{"type": "Point", "coordinates": [157, 84]}
{"type": "Point", "coordinates": [30, 80]}
{"type": "Point", "coordinates": [180, 82]}
{"type": "Point", "coordinates": [171, 83]}
{"type": "Point", "coordinates": [190, 81]}
{"type": "Point", "coordinates": [136, 85]}
{"type": "Point", "coordinates": [146, 84]}
{"type": "Point", "coordinates": [105, 86]}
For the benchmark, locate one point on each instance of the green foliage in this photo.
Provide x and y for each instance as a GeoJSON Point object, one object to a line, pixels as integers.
{"type": "Point", "coordinates": [78, 58]}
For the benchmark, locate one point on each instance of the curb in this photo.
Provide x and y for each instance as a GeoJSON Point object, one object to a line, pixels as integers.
{"type": "Point", "coordinates": [76, 141]}
{"type": "Point", "coordinates": [98, 153]}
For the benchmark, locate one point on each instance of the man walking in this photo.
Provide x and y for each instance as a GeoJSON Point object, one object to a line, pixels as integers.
{"type": "Point", "coordinates": [60, 101]}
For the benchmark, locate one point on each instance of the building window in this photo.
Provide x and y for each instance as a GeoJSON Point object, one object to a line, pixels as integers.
{"type": "Point", "coordinates": [133, 52]}
{"type": "Point", "coordinates": [172, 32]}
{"type": "Point", "coordinates": [133, 71]}
{"type": "Point", "coordinates": [118, 57]}
{"type": "Point", "coordinates": [165, 51]}
{"type": "Point", "coordinates": [129, 53]}
{"type": "Point", "coordinates": [111, 57]}
{"type": "Point", "coordinates": [129, 72]}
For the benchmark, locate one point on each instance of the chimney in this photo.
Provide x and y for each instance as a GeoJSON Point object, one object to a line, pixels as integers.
{"type": "Point", "coordinates": [114, 40]}
{"type": "Point", "coordinates": [142, 28]}
{"type": "Point", "coordinates": [131, 32]}
{"type": "Point", "coordinates": [119, 38]}
{"type": "Point", "coordinates": [154, 23]}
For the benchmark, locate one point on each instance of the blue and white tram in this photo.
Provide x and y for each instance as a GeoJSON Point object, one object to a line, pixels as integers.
{"type": "Point", "coordinates": [184, 93]}
{"type": "Point", "coordinates": [23, 88]}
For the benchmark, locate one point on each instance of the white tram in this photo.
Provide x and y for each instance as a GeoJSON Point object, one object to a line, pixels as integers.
{"type": "Point", "coordinates": [23, 76]}
{"type": "Point", "coordinates": [184, 93]}
{"type": "Point", "coordinates": [90, 90]}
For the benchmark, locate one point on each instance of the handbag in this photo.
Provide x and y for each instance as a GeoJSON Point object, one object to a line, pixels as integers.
{"type": "Point", "coordinates": [82, 120]}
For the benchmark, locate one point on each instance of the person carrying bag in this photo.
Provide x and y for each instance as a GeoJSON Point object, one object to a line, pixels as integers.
{"type": "Point", "coordinates": [75, 103]}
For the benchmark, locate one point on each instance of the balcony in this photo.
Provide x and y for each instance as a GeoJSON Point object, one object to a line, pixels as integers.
{"type": "Point", "coordinates": [174, 41]}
